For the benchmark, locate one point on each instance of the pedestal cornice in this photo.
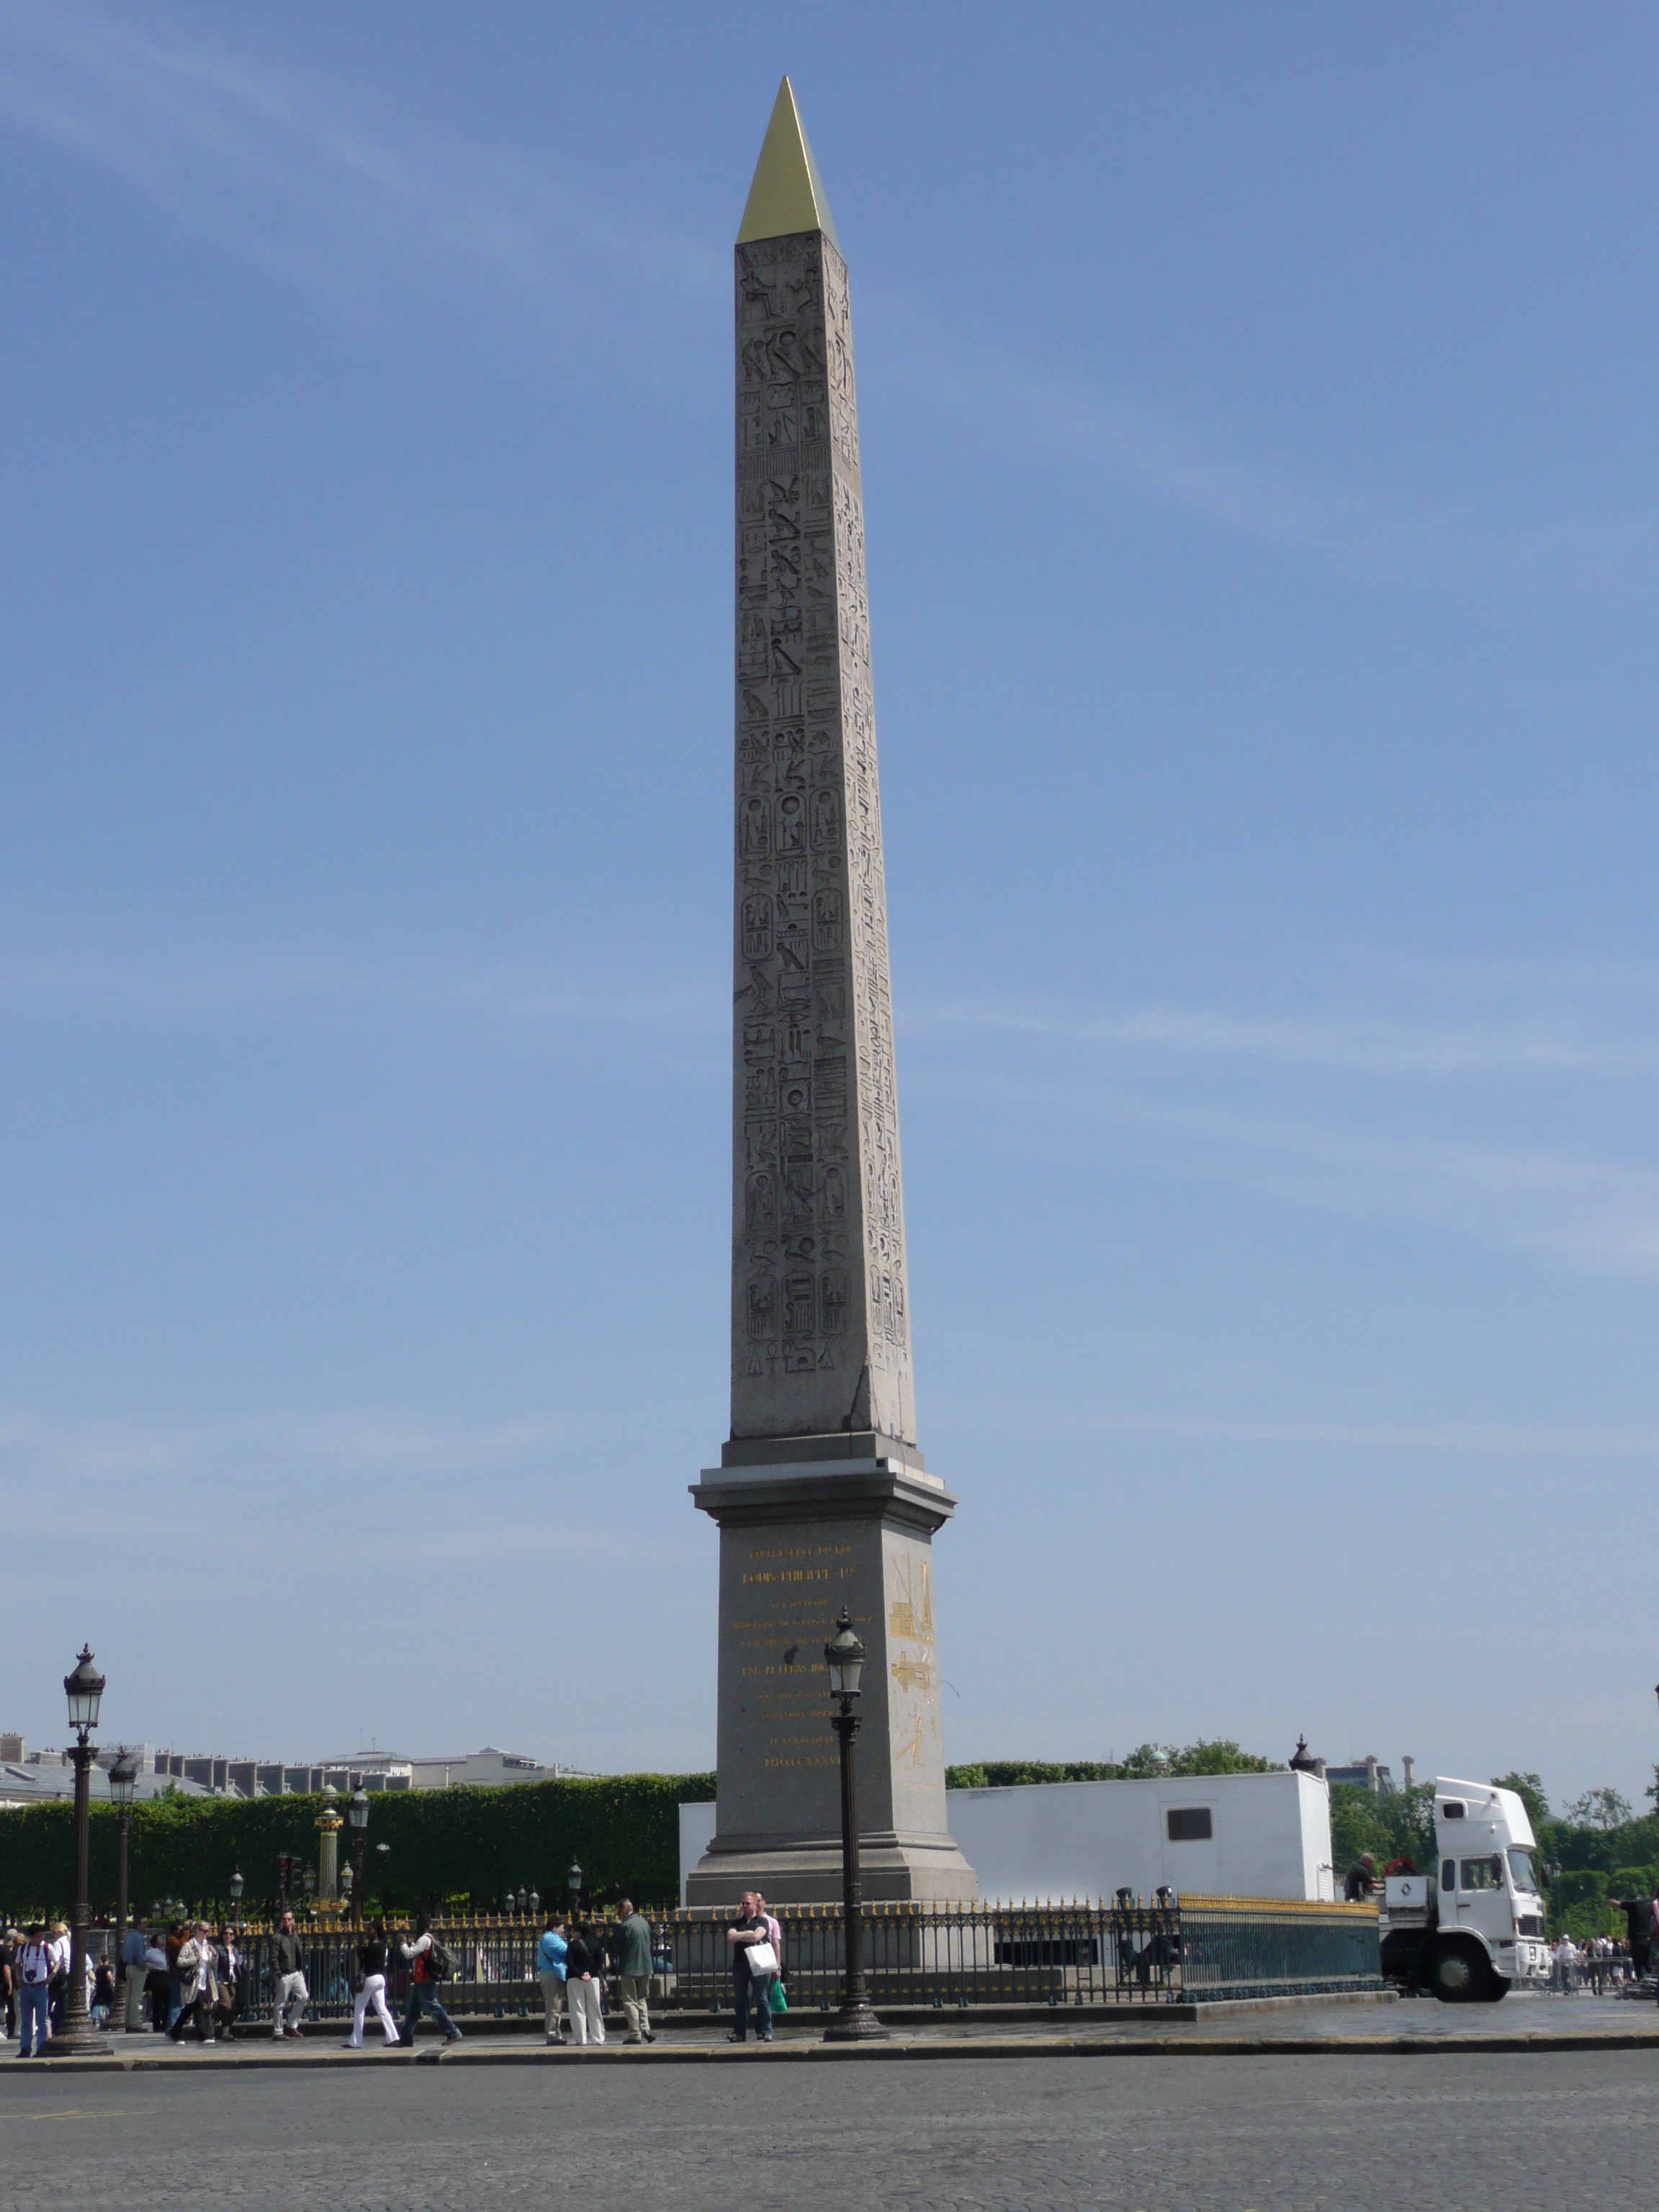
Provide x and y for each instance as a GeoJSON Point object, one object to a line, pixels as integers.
{"type": "Point", "coordinates": [826, 1490]}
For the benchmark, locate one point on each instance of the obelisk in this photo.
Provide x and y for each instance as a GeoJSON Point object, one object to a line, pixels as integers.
{"type": "Point", "coordinates": [821, 1496]}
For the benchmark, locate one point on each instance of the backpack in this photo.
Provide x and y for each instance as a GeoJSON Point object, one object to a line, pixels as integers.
{"type": "Point", "coordinates": [438, 1968]}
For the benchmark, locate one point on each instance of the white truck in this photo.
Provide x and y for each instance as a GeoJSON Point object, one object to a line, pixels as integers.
{"type": "Point", "coordinates": [1473, 1926]}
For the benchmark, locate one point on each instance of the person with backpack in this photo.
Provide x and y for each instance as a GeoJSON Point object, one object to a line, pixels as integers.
{"type": "Point", "coordinates": [584, 1982]}
{"type": "Point", "coordinates": [550, 1951]}
{"type": "Point", "coordinates": [428, 1965]}
{"type": "Point", "coordinates": [36, 1961]}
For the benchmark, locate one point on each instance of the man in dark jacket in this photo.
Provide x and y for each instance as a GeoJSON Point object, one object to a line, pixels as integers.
{"type": "Point", "coordinates": [631, 1953]}
{"type": "Point", "coordinates": [1361, 1883]}
{"type": "Point", "coordinates": [288, 1971]}
{"type": "Point", "coordinates": [1638, 1926]}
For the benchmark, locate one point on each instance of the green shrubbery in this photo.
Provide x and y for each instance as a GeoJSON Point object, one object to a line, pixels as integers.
{"type": "Point", "coordinates": [453, 1846]}
{"type": "Point", "coordinates": [1219, 1756]}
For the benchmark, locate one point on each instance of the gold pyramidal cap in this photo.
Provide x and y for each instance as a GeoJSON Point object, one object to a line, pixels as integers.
{"type": "Point", "coordinates": [787, 194]}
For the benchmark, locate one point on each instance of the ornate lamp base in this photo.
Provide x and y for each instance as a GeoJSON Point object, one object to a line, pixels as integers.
{"type": "Point", "coordinates": [76, 2042]}
{"type": "Point", "coordinates": [855, 2023]}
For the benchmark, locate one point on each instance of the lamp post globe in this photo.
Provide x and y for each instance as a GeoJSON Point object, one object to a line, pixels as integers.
{"type": "Point", "coordinates": [535, 1903]}
{"type": "Point", "coordinates": [575, 1877]}
{"type": "Point", "coordinates": [83, 1686]}
{"type": "Point", "coordinates": [844, 1655]}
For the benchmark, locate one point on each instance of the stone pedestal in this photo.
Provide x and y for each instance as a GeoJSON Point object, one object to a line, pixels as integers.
{"type": "Point", "coordinates": [800, 1538]}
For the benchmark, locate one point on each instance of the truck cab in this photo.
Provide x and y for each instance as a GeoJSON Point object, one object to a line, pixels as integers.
{"type": "Point", "coordinates": [1471, 1927]}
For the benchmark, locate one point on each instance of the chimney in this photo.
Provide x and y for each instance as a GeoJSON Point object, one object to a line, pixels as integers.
{"type": "Point", "coordinates": [1408, 1768]}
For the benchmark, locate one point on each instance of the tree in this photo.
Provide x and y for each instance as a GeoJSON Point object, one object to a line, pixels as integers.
{"type": "Point", "coordinates": [1529, 1789]}
{"type": "Point", "coordinates": [1601, 1809]}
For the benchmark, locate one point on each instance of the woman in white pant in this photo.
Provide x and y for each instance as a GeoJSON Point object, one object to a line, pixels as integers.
{"type": "Point", "coordinates": [584, 1973]}
{"type": "Point", "coordinates": [371, 1957]}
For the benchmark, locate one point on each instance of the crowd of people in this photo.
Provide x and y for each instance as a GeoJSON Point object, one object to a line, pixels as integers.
{"type": "Point", "coordinates": [189, 1979]}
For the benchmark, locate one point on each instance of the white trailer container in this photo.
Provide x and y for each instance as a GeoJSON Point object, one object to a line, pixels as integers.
{"type": "Point", "coordinates": [1230, 1835]}
{"type": "Point", "coordinates": [1217, 1835]}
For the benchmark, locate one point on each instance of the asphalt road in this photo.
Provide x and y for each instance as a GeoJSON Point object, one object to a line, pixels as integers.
{"type": "Point", "coordinates": [1465, 2133]}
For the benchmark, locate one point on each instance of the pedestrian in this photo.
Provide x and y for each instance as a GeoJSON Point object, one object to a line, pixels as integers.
{"type": "Point", "coordinates": [288, 1966]}
{"type": "Point", "coordinates": [754, 1962]}
{"type": "Point", "coordinates": [58, 1985]}
{"type": "Point", "coordinates": [158, 1983]}
{"type": "Point", "coordinates": [584, 1982]}
{"type": "Point", "coordinates": [634, 1970]}
{"type": "Point", "coordinates": [103, 1992]}
{"type": "Point", "coordinates": [1361, 1881]}
{"type": "Point", "coordinates": [198, 1983]}
{"type": "Point", "coordinates": [178, 1936]}
{"type": "Point", "coordinates": [550, 1950]}
{"type": "Point", "coordinates": [229, 2003]}
{"type": "Point", "coordinates": [9, 1946]}
{"type": "Point", "coordinates": [132, 1978]}
{"type": "Point", "coordinates": [429, 1965]}
{"type": "Point", "coordinates": [1639, 1929]}
{"type": "Point", "coordinates": [36, 1961]}
{"type": "Point", "coordinates": [371, 1961]}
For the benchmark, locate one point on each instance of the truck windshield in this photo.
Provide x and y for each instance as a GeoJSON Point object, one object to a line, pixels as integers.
{"type": "Point", "coordinates": [1521, 1873]}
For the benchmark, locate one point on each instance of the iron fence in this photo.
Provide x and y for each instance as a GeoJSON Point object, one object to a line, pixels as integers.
{"type": "Point", "coordinates": [1191, 1950]}
{"type": "Point", "coordinates": [917, 1956]}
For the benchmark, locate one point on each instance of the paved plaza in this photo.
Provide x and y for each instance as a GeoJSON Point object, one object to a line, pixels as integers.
{"type": "Point", "coordinates": [1464, 2131]}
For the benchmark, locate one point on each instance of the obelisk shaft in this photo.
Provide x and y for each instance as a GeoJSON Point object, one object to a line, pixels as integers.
{"type": "Point", "coordinates": [821, 1337]}
{"type": "Point", "coordinates": [821, 1499]}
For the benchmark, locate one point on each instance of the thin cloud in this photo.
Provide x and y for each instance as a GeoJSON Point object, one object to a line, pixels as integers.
{"type": "Point", "coordinates": [1592, 1217]}
{"type": "Point", "coordinates": [1362, 1044]}
{"type": "Point", "coordinates": [1264, 501]}
{"type": "Point", "coordinates": [354, 1442]}
{"type": "Point", "coordinates": [187, 988]}
{"type": "Point", "coordinates": [285, 167]}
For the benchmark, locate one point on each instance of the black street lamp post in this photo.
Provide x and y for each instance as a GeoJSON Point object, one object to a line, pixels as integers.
{"type": "Point", "coordinates": [123, 1787]}
{"type": "Point", "coordinates": [856, 2022]}
{"type": "Point", "coordinates": [236, 1888]}
{"type": "Point", "coordinates": [84, 1689]}
{"type": "Point", "coordinates": [575, 1878]}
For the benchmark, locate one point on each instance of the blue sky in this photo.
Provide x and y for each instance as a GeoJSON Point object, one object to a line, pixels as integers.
{"type": "Point", "coordinates": [1262, 484]}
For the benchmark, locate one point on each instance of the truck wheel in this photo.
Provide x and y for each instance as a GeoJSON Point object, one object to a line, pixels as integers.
{"type": "Point", "coordinates": [1498, 1987]}
{"type": "Point", "coordinates": [1458, 1974]}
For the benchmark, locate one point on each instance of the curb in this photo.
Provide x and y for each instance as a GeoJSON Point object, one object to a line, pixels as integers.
{"type": "Point", "coordinates": [804, 2052]}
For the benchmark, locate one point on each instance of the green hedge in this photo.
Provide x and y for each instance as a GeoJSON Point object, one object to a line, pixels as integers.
{"type": "Point", "coordinates": [455, 1846]}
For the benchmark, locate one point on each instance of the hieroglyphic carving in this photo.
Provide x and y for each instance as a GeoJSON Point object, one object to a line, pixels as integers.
{"type": "Point", "coordinates": [820, 1322]}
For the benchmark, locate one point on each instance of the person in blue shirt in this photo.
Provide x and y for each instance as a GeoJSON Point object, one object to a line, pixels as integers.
{"type": "Point", "coordinates": [550, 1970]}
